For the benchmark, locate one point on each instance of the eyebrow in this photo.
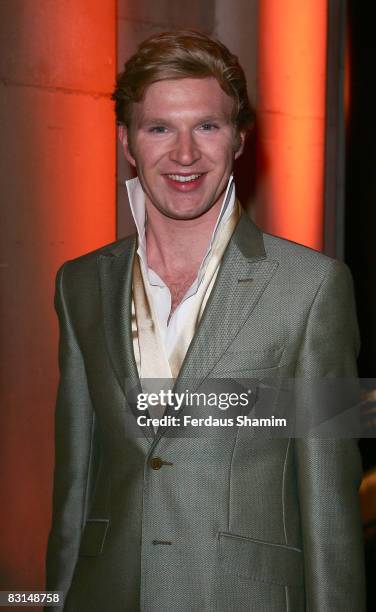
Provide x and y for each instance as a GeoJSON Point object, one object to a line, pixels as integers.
{"type": "Point", "coordinates": [147, 120]}
{"type": "Point", "coordinates": [159, 120]}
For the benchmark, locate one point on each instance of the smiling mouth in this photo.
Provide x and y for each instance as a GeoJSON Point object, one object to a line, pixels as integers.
{"type": "Point", "coordinates": [180, 178]}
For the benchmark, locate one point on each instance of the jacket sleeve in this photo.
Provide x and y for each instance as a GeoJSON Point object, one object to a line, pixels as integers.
{"type": "Point", "coordinates": [329, 470]}
{"type": "Point", "coordinates": [74, 427]}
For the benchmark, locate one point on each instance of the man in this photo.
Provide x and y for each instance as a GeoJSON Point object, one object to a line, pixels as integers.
{"type": "Point", "coordinates": [145, 519]}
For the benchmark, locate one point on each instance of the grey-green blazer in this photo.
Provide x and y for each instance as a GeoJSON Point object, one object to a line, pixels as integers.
{"type": "Point", "coordinates": [231, 522]}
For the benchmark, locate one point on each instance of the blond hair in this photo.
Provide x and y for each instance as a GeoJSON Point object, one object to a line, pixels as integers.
{"type": "Point", "coordinates": [178, 55]}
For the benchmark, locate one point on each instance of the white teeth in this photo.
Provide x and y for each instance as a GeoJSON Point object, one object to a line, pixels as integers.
{"type": "Point", "coordinates": [183, 179]}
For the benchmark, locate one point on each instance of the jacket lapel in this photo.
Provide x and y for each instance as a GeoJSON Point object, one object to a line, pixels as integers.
{"type": "Point", "coordinates": [242, 278]}
{"type": "Point", "coordinates": [115, 275]}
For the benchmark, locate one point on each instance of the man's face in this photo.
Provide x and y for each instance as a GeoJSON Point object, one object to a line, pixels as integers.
{"type": "Point", "coordinates": [182, 142]}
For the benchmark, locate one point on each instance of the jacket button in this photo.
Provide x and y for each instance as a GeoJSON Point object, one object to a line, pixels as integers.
{"type": "Point", "coordinates": [156, 463]}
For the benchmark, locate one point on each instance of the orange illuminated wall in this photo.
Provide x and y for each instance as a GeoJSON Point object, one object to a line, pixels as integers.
{"type": "Point", "coordinates": [291, 89]}
{"type": "Point", "coordinates": [57, 172]}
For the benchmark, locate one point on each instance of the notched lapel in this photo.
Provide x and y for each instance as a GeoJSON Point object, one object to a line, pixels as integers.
{"type": "Point", "coordinates": [242, 279]}
{"type": "Point", "coordinates": [115, 275]}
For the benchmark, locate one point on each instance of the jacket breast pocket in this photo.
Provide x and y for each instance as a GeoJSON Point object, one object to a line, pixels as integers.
{"type": "Point", "coordinates": [248, 360]}
{"type": "Point", "coordinates": [93, 537]}
{"type": "Point", "coordinates": [259, 576]}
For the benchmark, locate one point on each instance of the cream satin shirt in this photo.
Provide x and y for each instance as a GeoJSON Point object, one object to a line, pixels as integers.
{"type": "Point", "coordinates": [171, 328]}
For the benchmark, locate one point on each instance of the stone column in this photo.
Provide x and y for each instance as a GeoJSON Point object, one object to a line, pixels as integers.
{"type": "Point", "coordinates": [57, 70]}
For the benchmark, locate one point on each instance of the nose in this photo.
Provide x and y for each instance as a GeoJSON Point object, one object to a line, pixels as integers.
{"type": "Point", "coordinates": [185, 150]}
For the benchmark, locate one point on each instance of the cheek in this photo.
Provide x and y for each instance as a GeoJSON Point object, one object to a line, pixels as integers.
{"type": "Point", "coordinates": [148, 155]}
{"type": "Point", "coordinates": [225, 149]}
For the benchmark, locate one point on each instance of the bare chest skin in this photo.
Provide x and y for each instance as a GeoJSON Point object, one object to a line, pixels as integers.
{"type": "Point", "coordinates": [178, 287]}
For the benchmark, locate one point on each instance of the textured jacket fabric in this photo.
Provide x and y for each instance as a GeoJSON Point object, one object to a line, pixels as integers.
{"type": "Point", "coordinates": [231, 521]}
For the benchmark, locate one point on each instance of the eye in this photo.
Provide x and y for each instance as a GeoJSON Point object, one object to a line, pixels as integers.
{"type": "Point", "coordinates": [158, 129]}
{"type": "Point", "coordinates": [208, 127]}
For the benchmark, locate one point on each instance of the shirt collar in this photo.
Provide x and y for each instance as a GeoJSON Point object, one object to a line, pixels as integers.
{"type": "Point", "coordinates": [136, 196]}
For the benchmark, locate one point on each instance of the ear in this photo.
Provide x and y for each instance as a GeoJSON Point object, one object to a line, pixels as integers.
{"type": "Point", "coordinates": [124, 139]}
{"type": "Point", "coordinates": [239, 143]}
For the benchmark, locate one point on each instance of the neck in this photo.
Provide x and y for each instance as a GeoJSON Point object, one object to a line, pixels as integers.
{"type": "Point", "coordinates": [169, 241]}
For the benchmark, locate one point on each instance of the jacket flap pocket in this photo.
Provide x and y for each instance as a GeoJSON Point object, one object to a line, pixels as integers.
{"type": "Point", "coordinates": [264, 561]}
{"type": "Point", "coordinates": [93, 537]}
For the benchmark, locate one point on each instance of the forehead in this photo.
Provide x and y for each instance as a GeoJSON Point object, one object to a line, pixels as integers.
{"type": "Point", "coordinates": [175, 97]}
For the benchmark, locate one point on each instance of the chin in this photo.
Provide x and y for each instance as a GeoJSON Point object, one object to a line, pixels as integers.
{"type": "Point", "coordinates": [189, 212]}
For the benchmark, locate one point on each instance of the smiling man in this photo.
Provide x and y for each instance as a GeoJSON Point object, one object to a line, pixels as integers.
{"type": "Point", "coordinates": [220, 519]}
